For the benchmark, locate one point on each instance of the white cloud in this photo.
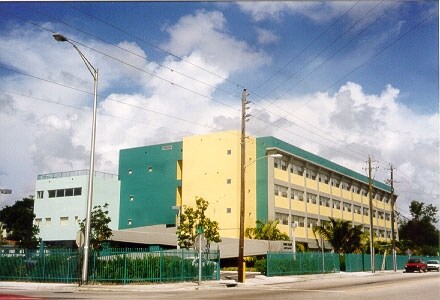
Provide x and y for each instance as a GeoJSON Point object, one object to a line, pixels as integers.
{"type": "Point", "coordinates": [276, 10]}
{"type": "Point", "coordinates": [351, 125]}
{"type": "Point", "coordinates": [206, 33]}
{"type": "Point", "coordinates": [266, 37]}
{"type": "Point", "coordinates": [45, 137]}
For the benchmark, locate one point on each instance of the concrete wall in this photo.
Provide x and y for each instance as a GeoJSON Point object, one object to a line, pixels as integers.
{"type": "Point", "coordinates": [58, 217]}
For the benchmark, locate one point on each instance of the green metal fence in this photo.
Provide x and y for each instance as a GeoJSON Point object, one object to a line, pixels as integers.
{"type": "Point", "coordinates": [110, 265]}
{"type": "Point", "coordinates": [57, 265]}
{"type": "Point", "coordinates": [287, 263]}
{"type": "Point", "coordinates": [362, 262]}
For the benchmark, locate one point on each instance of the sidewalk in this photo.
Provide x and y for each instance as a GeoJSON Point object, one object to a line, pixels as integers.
{"type": "Point", "coordinates": [257, 280]}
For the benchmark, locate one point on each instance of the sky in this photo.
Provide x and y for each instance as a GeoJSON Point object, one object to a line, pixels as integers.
{"type": "Point", "coordinates": [344, 80]}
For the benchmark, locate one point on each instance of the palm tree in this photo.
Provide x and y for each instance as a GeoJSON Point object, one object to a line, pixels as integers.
{"type": "Point", "coordinates": [342, 236]}
{"type": "Point", "coordinates": [266, 231]}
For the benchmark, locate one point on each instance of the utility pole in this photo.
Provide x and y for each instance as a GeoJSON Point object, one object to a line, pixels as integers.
{"type": "Point", "coordinates": [240, 268]}
{"type": "Point", "coordinates": [393, 236]}
{"type": "Point", "coordinates": [370, 194]}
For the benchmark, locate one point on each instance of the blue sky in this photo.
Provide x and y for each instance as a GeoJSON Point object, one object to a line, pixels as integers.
{"type": "Point", "coordinates": [341, 79]}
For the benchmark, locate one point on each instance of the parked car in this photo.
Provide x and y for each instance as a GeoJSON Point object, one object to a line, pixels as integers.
{"type": "Point", "coordinates": [416, 264]}
{"type": "Point", "coordinates": [433, 265]}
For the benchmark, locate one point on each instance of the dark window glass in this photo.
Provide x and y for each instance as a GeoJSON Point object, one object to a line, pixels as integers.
{"type": "Point", "coordinates": [69, 192]}
{"type": "Point", "coordinates": [77, 191]}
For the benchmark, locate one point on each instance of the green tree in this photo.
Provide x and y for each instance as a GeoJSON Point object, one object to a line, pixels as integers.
{"type": "Point", "coordinates": [342, 236]}
{"type": "Point", "coordinates": [266, 231]}
{"type": "Point", "coordinates": [99, 226]}
{"type": "Point", "coordinates": [420, 234]}
{"type": "Point", "coordinates": [18, 220]}
{"type": "Point", "coordinates": [190, 219]}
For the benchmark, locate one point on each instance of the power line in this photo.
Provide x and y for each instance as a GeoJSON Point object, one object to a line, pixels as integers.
{"type": "Point", "coordinates": [108, 98]}
{"type": "Point", "coordinates": [156, 46]}
{"type": "Point", "coordinates": [371, 58]}
{"type": "Point", "coordinates": [304, 49]}
{"type": "Point", "coordinates": [140, 56]}
{"type": "Point", "coordinates": [132, 66]}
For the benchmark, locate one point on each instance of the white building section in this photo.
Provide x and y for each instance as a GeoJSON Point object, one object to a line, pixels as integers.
{"type": "Point", "coordinates": [61, 202]}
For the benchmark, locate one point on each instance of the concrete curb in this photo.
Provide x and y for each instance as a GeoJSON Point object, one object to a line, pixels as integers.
{"type": "Point", "coordinates": [257, 280]}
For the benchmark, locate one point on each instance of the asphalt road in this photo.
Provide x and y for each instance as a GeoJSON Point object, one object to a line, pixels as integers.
{"type": "Point", "coordinates": [394, 286]}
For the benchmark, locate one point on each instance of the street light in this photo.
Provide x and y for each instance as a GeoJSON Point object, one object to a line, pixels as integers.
{"type": "Point", "coordinates": [60, 38]}
{"type": "Point", "coordinates": [5, 191]}
{"type": "Point", "coordinates": [242, 213]}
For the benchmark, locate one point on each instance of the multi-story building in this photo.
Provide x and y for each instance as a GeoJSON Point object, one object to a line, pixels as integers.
{"type": "Point", "coordinates": [300, 189]}
{"type": "Point", "coordinates": [61, 202]}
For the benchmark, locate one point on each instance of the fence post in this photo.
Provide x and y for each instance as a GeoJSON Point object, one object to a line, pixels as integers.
{"type": "Point", "coordinates": [125, 267]}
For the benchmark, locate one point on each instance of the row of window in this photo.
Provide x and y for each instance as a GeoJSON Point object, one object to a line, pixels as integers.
{"type": "Point", "coordinates": [311, 222]}
{"type": "Point", "coordinates": [60, 193]}
{"type": "Point", "coordinates": [298, 195]}
{"type": "Point", "coordinates": [63, 221]}
{"type": "Point", "coordinates": [296, 168]}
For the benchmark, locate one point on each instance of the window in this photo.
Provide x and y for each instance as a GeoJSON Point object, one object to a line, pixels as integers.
{"type": "Point", "coordinates": [381, 215]}
{"type": "Point", "coordinates": [335, 182]}
{"type": "Point", "coordinates": [228, 210]}
{"type": "Point", "coordinates": [355, 189]}
{"type": "Point", "coordinates": [311, 174]}
{"type": "Point", "coordinates": [131, 198]}
{"type": "Point", "coordinates": [386, 199]}
{"type": "Point", "coordinates": [69, 192]}
{"type": "Point", "coordinates": [229, 152]}
{"type": "Point", "coordinates": [299, 220]}
{"type": "Point", "coordinates": [283, 218]}
{"type": "Point", "coordinates": [387, 217]}
{"type": "Point", "coordinates": [52, 193]}
{"type": "Point", "coordinates": [345, 185]}
{"type": "Point", "coordinates": [346, 206]}
{"type": "Point", "coordinates": [64, 221]}
{"type": "Point", "coordinates": [297, 169]}
{"type": "Point", "coordinates": [77, 191]}
{"type": "Point", "coordinates": [324, 201]}
{"type": "Point", "coordinates": [48, 221]}
{"type": "Point", "coordinates": [336, 204]}
{"type": "Point", "coordinates": [130, 171]}
{"type": "Point", "coordinates": [280, 190]}
{"type": "Point", "coordinates": [40, 194]}
{"type": "Point", "coordinates": [38, 221]}
{"type": "Point", "coordinates": [167, 147]}
{"type": "Point", "coordinates": [365, 211]}
{"type": "Point", "coordinates": [312, 222]}
{"type": "Point", "coordinates": [357, 209]}
{"type": "Point", "coordinates": [311, 198]}
{"type": "Point", "coordinates": [129, 222]}
{"type": "Point", "coordinates": [283, 165]}
{"type": "Point", "coordinates": [297, 195]}
{"type": "Point", "coordinates": [364, 192]}
{"type": "Point", "coordinates": [228, 181]}
{"type": "Point", "coordinates": [323, 178]}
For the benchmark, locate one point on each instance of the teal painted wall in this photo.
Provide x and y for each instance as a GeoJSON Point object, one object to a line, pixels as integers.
{"type": "Point", "coordinates": [149, 175]}
{"type": "Point", "coordinates": [262, 181]}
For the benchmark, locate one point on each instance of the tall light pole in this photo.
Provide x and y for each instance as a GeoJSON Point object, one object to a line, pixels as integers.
{"type": "Point", "coordinates": [370, 198]}
{"type": "Point", "coordinates": [60, 38]}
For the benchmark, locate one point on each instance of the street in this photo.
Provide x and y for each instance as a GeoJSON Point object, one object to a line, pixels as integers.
{"type": "Point", "coordinates": [390, 286]}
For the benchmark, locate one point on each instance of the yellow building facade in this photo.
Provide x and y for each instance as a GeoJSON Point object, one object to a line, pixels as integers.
{"type": "Point", "coordinates": [300, 189]}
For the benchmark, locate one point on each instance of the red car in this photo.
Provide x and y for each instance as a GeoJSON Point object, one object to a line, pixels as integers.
{"type": "Point", "coordinates": [416, 264]}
